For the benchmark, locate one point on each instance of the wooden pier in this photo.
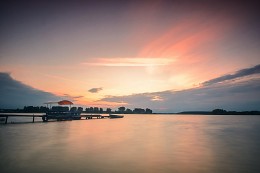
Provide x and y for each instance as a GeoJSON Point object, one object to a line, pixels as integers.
{"type": "Point", "coordinates": [87, 116]}
{"type": "Point", "coordinates": [94, 116]}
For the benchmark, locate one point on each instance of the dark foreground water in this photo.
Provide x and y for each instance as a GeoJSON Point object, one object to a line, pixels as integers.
{"type": "Point", "coordinates": [136, 144]}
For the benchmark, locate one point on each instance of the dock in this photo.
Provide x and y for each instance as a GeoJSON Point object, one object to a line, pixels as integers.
{"type": "Point", "coordinates": [82, 117]}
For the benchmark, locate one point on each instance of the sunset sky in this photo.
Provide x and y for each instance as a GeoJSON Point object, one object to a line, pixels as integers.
{"type": "Point", "coordinates": [169, 56]}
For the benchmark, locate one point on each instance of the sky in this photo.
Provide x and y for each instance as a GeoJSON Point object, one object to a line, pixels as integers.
{"type": "Point", "coordinates": [166, 55]}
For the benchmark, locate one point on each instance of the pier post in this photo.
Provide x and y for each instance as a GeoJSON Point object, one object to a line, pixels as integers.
{"type": "Point", "coordinates": [33, 118]}
{"type": "Point", "coordinates": [6, 118]}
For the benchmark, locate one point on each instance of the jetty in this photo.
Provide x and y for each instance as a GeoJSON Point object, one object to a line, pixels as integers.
{"type": "Point", "coordinates": [58, 113]}
{"type": "Point", "coordinates": [4, 117]}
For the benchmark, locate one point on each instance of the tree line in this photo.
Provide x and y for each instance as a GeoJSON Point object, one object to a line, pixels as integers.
{"type": "Point", "coordinates": [44, 109]}
{"type": "Point", "coordinates": [221, 112]}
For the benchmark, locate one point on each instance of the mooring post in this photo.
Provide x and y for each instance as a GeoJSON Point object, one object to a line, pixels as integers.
{"type": "Point", "coordinates": [33, 118]}
{"type": "Point", "coordinates": [6, 118]}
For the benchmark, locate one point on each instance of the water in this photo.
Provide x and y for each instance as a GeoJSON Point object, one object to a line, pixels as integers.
{"type": "Point", "coordinates": [136, 143]}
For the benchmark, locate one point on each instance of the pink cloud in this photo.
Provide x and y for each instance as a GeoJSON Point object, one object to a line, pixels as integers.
{"type": "Point", "coordinates": [187, 37]}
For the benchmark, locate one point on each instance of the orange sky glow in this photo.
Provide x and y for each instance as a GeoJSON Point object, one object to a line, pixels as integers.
{"type": "Point", "coordinates": [144, 48]}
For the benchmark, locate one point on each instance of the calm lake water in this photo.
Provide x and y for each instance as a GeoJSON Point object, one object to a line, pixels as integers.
{"type": "Point", "coordinates": [135, 143]}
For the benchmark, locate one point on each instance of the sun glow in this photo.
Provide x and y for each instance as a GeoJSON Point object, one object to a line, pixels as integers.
{"type": "Point", "coordinates": [157, 98]}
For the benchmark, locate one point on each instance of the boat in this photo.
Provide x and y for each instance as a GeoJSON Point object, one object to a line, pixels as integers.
{"type": "Point", "coordinates": [61, 113]}
{"type": "Point", "coordinates": [115, 116]}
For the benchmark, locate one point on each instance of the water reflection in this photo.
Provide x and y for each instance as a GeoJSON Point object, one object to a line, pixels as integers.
{"type": "Point", "coordinates": [136, 143]}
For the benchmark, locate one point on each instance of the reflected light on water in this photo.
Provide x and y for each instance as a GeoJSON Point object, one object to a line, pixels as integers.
{"type": "Point", "coordinates": [136, 143]}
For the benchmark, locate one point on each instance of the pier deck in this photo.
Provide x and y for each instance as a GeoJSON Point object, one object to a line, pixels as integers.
{"type": "Point", "coordinates": [86, 116]}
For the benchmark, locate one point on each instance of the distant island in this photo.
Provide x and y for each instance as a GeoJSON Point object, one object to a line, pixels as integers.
{"type": "Point", "coordinates": [221, 112]}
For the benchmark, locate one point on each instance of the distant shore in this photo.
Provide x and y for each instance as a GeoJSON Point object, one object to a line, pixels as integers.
{"type": "Point", "coordinates": [213, 112]}
{"type": "Point", "coordinates": [216, 112]}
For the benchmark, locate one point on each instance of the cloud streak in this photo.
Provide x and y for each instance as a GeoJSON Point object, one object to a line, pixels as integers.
{"type": "Point", "coordinates": [238, 74]}
{"type": "Point", "coordinates": [95, 90]}
{"type": "Point", "coordinates": [129, 62]}
{"type": "Point", "coordinates": [72, 98]}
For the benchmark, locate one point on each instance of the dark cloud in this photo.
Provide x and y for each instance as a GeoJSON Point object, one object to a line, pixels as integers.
{"type": "Point", "coordinates": [238, 74]}
{"type": "Point", "coordinates": [15, 94]}
{"type": "Point", "coordinates": [95, 90]}
{"type": "Point", "coordinates": [77, 97]}
{"type": "Point", "coordinates": [239, 97]}
{"type": "Point", "coordinates": [222, 92]}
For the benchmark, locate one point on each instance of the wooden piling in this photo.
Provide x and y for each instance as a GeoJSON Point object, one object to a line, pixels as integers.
{"type": "Point", "coordinates": [6, 118]}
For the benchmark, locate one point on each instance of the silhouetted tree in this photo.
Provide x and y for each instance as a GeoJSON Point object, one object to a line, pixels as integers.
{"type": "Point", "coordinates": [31, 109]}
{"type": "Point", "coordinates": [219, 112]}
{"type": "Point", "coordinates": [80, 109]}
{"type": "Point", "coordinates": [73, 109]}
{"type": "Point", "coordinates": [109, 110]}
{"type": "Point", "coordinates": [148, 111]}
{"type": "Point", "coordinates": [121, 109]}
{"type": "Point", "coordinates": [43, 109]}
{"type": "Point", "coordinates": [128, 111]}
{"type": "Point", "coordinates": [139, 111]}
{"type": "Point", "coordinates": [96, 110]}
